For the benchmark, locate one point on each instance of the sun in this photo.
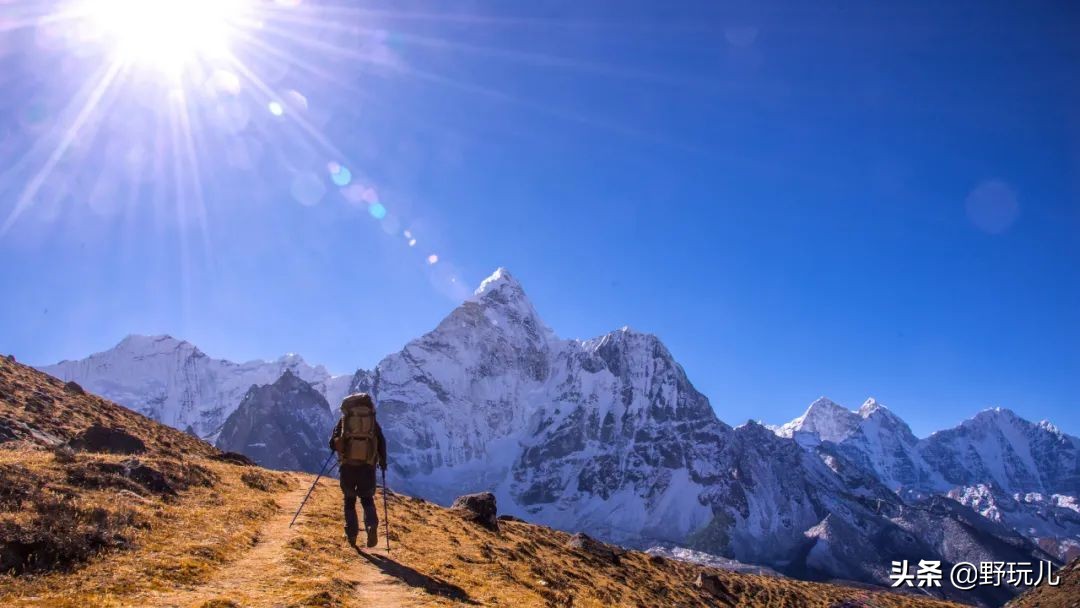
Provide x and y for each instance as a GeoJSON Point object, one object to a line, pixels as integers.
{"type": "Point", "coordinates": [167, 35]}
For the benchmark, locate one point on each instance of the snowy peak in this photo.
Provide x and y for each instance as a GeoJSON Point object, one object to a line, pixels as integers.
{"type": "Point", "coordinates": [824, 418]}
{"type": "Point", "coordinates": [1018, 455]}
{"type": "Point", "coordinates": [174, 382]}
{"type": "Point", "coordinates": [877, 418]}
{"type": "Point", "coordinates": [499, 307]}
{"type": "Point", "coordinates": [502, 290]}
{"type": "Point", "coordinates": [996, 417]}
{"type": "Point", "coordinates": [137, 345]}
{"type": "Point", "coordinates": [870, 407]}
{"type": "Point", "coordinates": [499, 281]}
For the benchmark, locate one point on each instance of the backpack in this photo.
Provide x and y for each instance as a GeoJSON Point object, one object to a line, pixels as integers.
{"type": "Point", "coordinates": [358, 443]}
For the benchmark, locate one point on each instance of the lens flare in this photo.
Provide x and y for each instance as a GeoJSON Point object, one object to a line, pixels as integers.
{"type": "Point", "coordinates": [167, 35]}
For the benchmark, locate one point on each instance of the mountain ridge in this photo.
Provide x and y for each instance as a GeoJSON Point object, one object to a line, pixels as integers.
{"type": "Point", "coordinates": [609, 435]}
{"type": "Point", "coordinates": [177, 522]}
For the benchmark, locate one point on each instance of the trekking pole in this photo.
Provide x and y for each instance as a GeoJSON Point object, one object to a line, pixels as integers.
{"type": "Point", "coordinates": [385, 511]}
{"type": "Point", "coordinates": [308, 495]}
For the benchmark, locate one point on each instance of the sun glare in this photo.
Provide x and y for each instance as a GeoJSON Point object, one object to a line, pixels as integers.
{"type": "Point", "coordinates": [166, 34]}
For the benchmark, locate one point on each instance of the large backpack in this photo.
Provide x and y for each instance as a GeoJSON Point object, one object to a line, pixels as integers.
{"type": "Point", "coordinates": [358, 443]}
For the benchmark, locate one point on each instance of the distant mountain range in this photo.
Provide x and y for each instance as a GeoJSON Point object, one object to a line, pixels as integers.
{"type": "Point", "coordinates": [609, 435]}
{"type": "Point", "coordinates": [174, 382]}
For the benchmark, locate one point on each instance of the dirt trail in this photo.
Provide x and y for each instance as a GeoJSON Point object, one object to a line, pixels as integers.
{"type": "Point", "coordinates": [254, 579]}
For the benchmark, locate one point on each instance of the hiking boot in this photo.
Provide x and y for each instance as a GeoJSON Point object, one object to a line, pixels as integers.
{"type": "Point", "coordinates": [372, 536]}
{"type": "Point", "coordinates": [351, 538]}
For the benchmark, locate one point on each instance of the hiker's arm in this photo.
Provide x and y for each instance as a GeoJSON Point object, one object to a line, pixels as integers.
{"type": "Point", "coordinates": [336, 433]}
{"type": "Point", "coordinates": [382, 446]}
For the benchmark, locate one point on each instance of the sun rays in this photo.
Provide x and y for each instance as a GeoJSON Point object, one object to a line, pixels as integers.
{"type": "Point", "coordinates": [179, 95]}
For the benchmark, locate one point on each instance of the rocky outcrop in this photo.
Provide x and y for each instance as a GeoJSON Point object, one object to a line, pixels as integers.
{"type": "Point", "coordinates": [98, 438]}
{"type": "Point", "coordinates": [587, 544]}
{"type": "Point", "coordinates": [284, 425]}
{"type": "Point", "coordinates": [478, 508]}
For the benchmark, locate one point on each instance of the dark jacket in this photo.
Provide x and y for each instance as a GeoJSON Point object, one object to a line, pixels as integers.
{"type": "Point", "coordinates": [380, 441]}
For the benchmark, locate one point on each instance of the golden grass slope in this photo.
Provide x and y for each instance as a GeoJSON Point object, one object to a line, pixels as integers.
{"type": "Point", "coordinates": [104, 531]}
{"type": "Point", "coordinates": [1064, 595]}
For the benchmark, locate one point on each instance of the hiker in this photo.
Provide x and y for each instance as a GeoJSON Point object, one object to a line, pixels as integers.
{"type": "Point", "coordinates": [360, 446]}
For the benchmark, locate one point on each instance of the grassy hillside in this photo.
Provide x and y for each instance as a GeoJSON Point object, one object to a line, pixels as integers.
{"type": "Point", "coordinates": [1064, 595]}
{"type": "Point", "coordinates": [176, 523]}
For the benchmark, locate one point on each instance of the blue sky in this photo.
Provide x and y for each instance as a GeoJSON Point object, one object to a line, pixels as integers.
{"type": "Point", "coordinates": [854, 199]}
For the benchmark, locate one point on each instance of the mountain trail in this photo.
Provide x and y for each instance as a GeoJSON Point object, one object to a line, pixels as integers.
{"type": "Point", "coordinates": [254, 579]}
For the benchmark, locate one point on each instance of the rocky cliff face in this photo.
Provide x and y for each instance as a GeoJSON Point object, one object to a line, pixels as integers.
{"type": "Point", "coordinates": [284, 425]}
{"type": "Point", "coordinates": [173, 382]}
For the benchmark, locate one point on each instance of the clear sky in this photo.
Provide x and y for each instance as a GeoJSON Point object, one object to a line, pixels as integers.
{"type": "Point", "coordinates": [851, 199]}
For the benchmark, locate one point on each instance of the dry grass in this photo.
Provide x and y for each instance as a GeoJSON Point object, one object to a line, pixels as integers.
{"type": "Point", "coordinates": [121, 543]}
{"type": "Point", "coordinates": [433, 549]}
{"type": "Point", "coordinates": [176, 526]}
{"type": "Point", "coordinates": [1064, 595]}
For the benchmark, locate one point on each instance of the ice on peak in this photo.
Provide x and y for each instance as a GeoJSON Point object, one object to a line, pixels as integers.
{"type": "Point", "coordinates": [626, 337]}
{"type": "Point", "coordinates": [993, 414]}
{"type": "Point", "coordinates": [629, 332]}
{"type": "Point", "coordinates": [139, 340]}
{"type": "Point", "coordinates": [825, 418]}
{"type": "Point", "coordinates": [291, 359]}
{"type": "Point", "coordinates": [824, 403]}
{"type": "Point", "coordinates": [1048, 426]}
{"type": "Point", "coordinates": [498, 279]}
{"type": "Point", "coordinates": [871, 406]}
{"type": "Point", "coordinates": [161, 343]}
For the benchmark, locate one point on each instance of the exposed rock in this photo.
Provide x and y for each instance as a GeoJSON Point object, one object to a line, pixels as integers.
{"type": "Point", "coordinates": [148, 477]}
{"type": "Point", "coordinates": [16, 430]}
{"type": "Point", "coordinates": [100, 438]}
{"type": "Point", "coordinates": [588, 544]}
{"type": "Point", "coordinates": [234, 458]}
{"type": "Point", "coordinates": [711, 584]}
{"type": "Point", "coordinates": [64, 454]}
{"type": "Point", "coordinates": [128, 494]}
{"type": "Point", "coordinates": [478, 508]}
{"type": "Point", "coordinates": [511, 518]}
{"type": "Point", "coordinates": [73, 387]}
{"type": "Point", "coordinates": [9, 431]}
{"type": "Point", "coordinates": [131, 475]}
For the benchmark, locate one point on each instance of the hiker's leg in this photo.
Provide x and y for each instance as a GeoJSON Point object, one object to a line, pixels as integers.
{"type": "Point", "coordinates": [371, 514]}
{"type": "Point", "coordinates": [371, 519]}
{"type": "Point", "coordinates": [352, 525]}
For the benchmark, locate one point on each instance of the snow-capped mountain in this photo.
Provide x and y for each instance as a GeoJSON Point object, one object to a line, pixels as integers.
{"type": "Point", "coordinates": [284, 425]}
{"type": "Point", "coordinates": [824, 418]}
{"type": "Point", "coordinates": [1024, 475]}
{"type": "Point", "coordinates": [608, 435]}
{"type": "Point", "coordinates": [175, 383]}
